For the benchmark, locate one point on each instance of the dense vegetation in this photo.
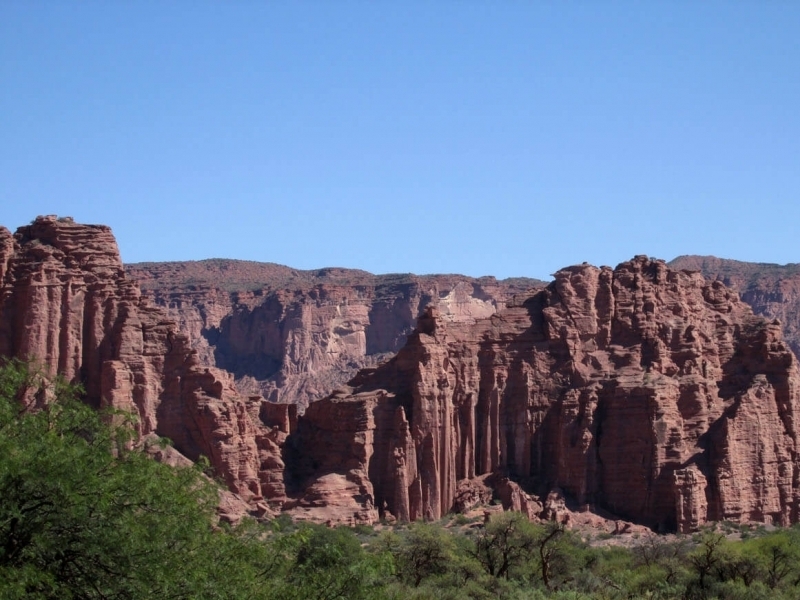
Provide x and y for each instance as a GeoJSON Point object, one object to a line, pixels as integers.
{"type": "Point", "coordinates": [83, 514]}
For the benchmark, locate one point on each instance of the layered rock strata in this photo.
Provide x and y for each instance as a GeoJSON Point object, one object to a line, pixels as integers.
{"type": "Point", "coordinates": [67, 304]}
{"type": "Point", "coordinates": [773, 291]}
{"type": "Point", "coordinates": [293, 336]}
{"type": "Point", "coordinates": [645, 391]}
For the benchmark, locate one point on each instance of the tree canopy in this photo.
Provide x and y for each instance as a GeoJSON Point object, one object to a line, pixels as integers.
{"type": "Point", "coordinates": [84, 514]}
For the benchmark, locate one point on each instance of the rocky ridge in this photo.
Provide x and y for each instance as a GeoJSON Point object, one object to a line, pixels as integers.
{"type": "Point", "coordinates": [645, 391]}
{"type": "Point", "coordinates": [772, 290]}
{"type": "Point", "coordinates": [292, 335]}
{"type": "Point", "coordinates": [67, 304]}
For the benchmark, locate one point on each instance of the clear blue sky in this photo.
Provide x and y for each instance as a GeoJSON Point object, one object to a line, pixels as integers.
{"type": "Point", "coordinates": [504, 138]}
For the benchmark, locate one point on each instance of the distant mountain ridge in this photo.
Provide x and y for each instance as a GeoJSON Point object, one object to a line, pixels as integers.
{"type": "Point", "coordinates": [278, 329]}
{"type": "Point", "coordinates": [738, 272]}
{"type": "Point", "coordinates": [772, 290]}
{"type": "Point", "coordinates": [293, 335]}
{"type": "Point", "coordinates": [240, 275]}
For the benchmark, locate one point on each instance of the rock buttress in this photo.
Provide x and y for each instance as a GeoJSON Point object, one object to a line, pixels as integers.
{"type": "Point", "coordinates": [67, 305]}
{"type": "Point", "coordinates": [648, 392]}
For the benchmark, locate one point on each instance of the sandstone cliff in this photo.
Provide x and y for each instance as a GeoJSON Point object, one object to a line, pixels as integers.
{"type": "Point", "coordinates": [645, 391]}
{"type": "Point", "coordinates": [67, 304]}
{"type": "Point", "coordinates": [293, 336]}
{"type": "Point", "coordinates": [773, 291]}
{"type": "Point", "coordinates": [642, 390]}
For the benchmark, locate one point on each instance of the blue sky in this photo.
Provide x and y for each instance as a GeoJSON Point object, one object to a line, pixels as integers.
{"type": "Point", "coordinates": [504, 138]}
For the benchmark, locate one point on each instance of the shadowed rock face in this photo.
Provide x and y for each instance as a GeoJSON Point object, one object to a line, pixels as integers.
{"type": "Point", "coordinates": [293, 336]}
{"type": "Point", "coordinates": [641, 390]}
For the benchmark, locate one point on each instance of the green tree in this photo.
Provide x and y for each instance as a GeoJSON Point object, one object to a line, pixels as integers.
{"type": "Point", "coordinates": [551, 554]}
{"type": "Point", "coordinates": [706, 557]}
{"type": "Point", "coordinates": [83, 515]}
{"type": "Point", "coordinates": [330, 564]}
{"type": "Point", "coordinates": [779, 557]}
{"type": "Point", "coordinates": [423, 551]}
{"type": "Point", "coordinates": [507, 540]}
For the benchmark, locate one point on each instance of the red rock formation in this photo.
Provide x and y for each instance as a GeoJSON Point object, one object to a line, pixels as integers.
{"type": "Point", "coordinates": [645, 391]}
{"type": "Point", "coordinates": [773, 291]}
{"type": "Point", "coordinates": [66, 303]}
{"type": "Point", "coordinates": [293, 336]}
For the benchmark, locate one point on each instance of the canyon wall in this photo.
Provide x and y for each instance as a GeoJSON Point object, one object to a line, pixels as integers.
{"type": "Point", "coordinates": [772, 290]}
{"type": "Point", "coordinates": [67, 305]}
{"type": "Point", "coordinates": [293, 336]}
{"type": "Point", "coordinates": [645, 391]}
